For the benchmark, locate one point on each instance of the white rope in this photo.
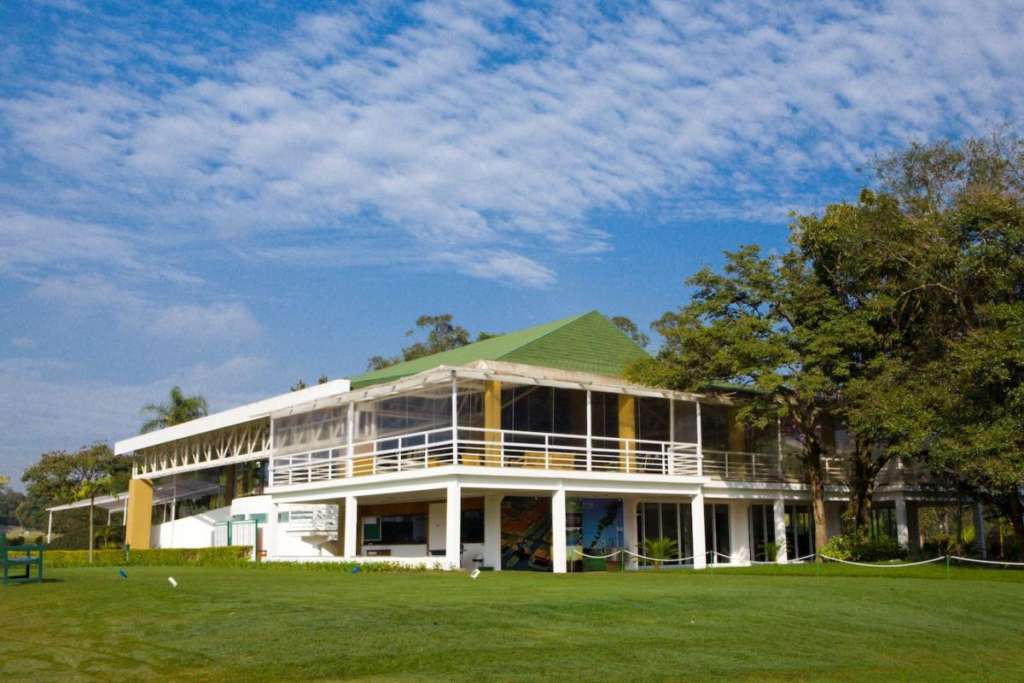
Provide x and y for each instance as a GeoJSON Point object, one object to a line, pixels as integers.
{"type": "Point", "coordinates": [885, 566]}
{"type": "Point", "coordinates": [596, 557]}
{"type": "Point", "coordinates": [971, 559]}
{"type": "Point", "coordinates": [656, 559]}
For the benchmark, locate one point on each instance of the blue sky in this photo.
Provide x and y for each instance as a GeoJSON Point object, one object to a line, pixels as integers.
{"type": "Point", "coordinates": [233, 196]}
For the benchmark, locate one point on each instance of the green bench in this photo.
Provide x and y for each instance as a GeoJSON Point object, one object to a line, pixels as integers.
{"type": "Point", "coordinates": [18, 560]}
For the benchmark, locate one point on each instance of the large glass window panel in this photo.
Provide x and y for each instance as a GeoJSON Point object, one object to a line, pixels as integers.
{"type": "Point", "coordinates": [716, 532]}
{"type": "Point", "coordinates": [652, 521]}
{"type": "Point", "coordinates": [685, 421]}
{"type": "Point", "coordinates": [605, 414]}
{"type": "Point", "coordinates": [670, 523]}
{"type": "Point", "coordinates": [652, 418]}
{"type": "Point", "coordinates": [310, 429]}
{"type": "Point", "coordinates": [762, 531]}
{"type": "Point", "coordinates": [543, 409]}
{"type": "Point", "coordinates": [714, 427]}
{"type": "Point", "coordinates": [416, 412]}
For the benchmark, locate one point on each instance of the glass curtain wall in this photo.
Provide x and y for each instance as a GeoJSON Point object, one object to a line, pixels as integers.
{"type": "Point", "coordinates": [311, 430]}
{"type": "Point", "coordinates": [762, 531]}
{"type": "Point", "coordinates": [667, 520]}
{"type": "Point", "coordinates": [799, 531]}
{"type": "Point", "coordinates": [716, 532]}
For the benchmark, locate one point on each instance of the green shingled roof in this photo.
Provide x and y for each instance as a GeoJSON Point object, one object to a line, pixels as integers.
{"type": "Point", "coordinates": [588, 343]}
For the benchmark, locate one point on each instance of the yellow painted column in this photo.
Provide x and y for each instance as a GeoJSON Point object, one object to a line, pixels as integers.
{"type": "Point", "coordinates": [140, 514]}
{"type": "Point", "coordinates": [627, 432]}
{"type": "Point", "coordinates": [492, 421]}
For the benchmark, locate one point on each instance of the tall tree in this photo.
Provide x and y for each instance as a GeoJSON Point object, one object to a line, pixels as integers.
{"type": "Point", "coordinates": [178, 409]}
{"type": "Point", "coordinates": [442, 335]}
{"type": "Point", "coordinates": [766, 323]}
{"type": "Point", "coordinates": [631, 330]}
{"type": "Point", "coordinates": [91, 474]}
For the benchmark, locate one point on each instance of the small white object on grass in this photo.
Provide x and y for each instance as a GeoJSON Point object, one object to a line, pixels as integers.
{"type": "Point", "coordinates": [170, 580]}
{"type": "Point", "coordinates": [475, 573]}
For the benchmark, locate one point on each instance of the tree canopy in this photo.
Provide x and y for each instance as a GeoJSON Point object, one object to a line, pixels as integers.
{"type": "Point", "coordinates": [178, 409]}
{"type": "Point", "coordinates": [442, 335]}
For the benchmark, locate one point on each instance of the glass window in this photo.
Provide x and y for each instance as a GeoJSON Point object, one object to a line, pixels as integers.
{"type": "Point", "coordinates": [685, 421]}
{"type": "Point", "coordinates": [283, 517]}
{"type": "Point", "coordinates": [543, 409]}
{"type": "Point", "coordinates": [395, 529]}
{"type": "Point", "coordinates": [311, 429]}
{"type": "Point", "coordinates": [716, 532]}
{"type": "Point", "coordinates": [604, 410]}
{"type": "Point", "coordinates": [762, 531]}
{"type": "Point", "coordinates": [258, 517]}
{"type": "Point", "coordinates": [714, 427]}
{"type": "Point", "coordinates": [652, 418]}
{"type": "Point", "coordinates": [371, 529]}
{"type": "Point", "coordinates": [472, 526]}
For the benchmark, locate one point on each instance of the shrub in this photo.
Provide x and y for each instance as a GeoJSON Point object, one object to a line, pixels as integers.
{"type": "Point", "coordinates": [346, 567]}
{"type": "Point", "coordinates": [855, 549]}
{"type": "Point", "coordinates": [231, 556]}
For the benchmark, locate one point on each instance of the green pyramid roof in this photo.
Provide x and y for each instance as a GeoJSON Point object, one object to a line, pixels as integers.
{"type": "Point", "coordinates": [587, 343]}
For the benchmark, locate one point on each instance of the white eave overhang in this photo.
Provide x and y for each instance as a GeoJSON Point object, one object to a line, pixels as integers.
{"type": "Point", "coordinates": [319, 393]}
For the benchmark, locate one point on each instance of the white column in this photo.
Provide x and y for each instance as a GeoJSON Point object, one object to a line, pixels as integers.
{"type": "Point", "coordinates": [453, 527]}
{"type": "Point", "coordinates": [270, 533]}
{"type": "Point", "coordinates": [700, 443]}
{"type": "Point", "coordinates": [700, 558]}
{"type": "Point", "coordinates": [558, 531]}
{"type": "Point", "coordinates": [49, 528]}
{"type": "Point", "coordinates": [455, 420]}
{"type": "Point", "coordinates": [779, 510]}
{"type": "Point", "coordinates": [492, 531]}
{"type": "Point", "coordinates": [739, 532]}
{"type": "Point", "coordinates": [902, 530]}
{"type": "Point", "coordinates": [351, 526]}
{"type": "Point", "coordinates": [590, 432]}
{"type": "Point", "coordinates": [630, 534]}
{"type": "Point", "coordinates": [350, 427]}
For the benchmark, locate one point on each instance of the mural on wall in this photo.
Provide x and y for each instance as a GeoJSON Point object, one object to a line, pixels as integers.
{"type": "Point", "coordinates": [593, 525]}
{"type": "Point", "coordinates": [526, 533]}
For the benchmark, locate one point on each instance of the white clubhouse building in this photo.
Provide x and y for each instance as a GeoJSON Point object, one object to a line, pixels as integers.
{"type": "Point", "coordinates": [523, 451]}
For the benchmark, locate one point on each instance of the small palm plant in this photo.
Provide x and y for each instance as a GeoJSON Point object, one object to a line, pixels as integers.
{"type": "Point", "coordinates": [771, 552]}
{"type": "Point", "coordinates": [660, 549]}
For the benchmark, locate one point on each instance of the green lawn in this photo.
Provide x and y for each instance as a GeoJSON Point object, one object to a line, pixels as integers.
{"type": "Point", "coordinates": [273, 624]}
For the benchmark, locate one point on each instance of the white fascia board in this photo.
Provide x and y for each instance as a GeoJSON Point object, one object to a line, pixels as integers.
{"type": "Point", "coordinates": [233, 416]}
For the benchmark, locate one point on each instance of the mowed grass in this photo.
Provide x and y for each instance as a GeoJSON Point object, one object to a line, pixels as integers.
{"type": "Point", "coordinates": [290, 623]}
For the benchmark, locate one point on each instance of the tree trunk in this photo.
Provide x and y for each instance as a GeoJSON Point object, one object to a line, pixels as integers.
{"type": "Point", "coordinates": [1017, 521]}
{"type": "Point", "coordinates": [816, 484]}
{"type": "Point", "coordinates": [91, 534]}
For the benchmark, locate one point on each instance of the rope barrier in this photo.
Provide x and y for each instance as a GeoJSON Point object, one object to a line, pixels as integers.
{"type": "Point", "coordinates": [996, 562]}
{"type": "Point", "coordinates": [656, 559]}
{"type": "Point", "coordinates": [884, 566]}
{"type": "Point", "coordinates": [596, 557]}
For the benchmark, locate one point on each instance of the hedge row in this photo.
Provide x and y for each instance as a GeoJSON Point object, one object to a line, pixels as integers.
{"type": "Point", "coordinates": [345, 567]}
{"type": "Point", "coordinates": [231, 556]}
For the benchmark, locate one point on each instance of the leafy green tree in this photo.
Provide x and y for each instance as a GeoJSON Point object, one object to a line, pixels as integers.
{"type": "Point", "coordinates": [767, 324]}
{"type": "Point", "coordinates": [9, 502]}
{"type": "Point", "coordinates": [178, 409]}
{"type": "Point", "coordinates": [91, 473]}
{"type": "Point", "coordinates": [632, 331]}
{"type": "Point", "coordinates": [60, 477]}
{"type": "Point", "coordinates": [442, 335]}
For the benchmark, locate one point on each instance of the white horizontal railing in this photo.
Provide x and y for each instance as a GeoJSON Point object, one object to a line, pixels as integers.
{"type": "Point", "coordinates": [475, 446]}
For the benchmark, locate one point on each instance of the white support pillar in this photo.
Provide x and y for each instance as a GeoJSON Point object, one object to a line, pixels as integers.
{"type": "Point", "coordinates": [779, 510]}
{"type": "Point", "coordinates": [453, 527]}
{"type": "Point", "coordinates": [455, 419]}
{"type": "Point", "coordinates": [558, 563]}
{"type": "Point", "coordinates": [492, 531]}
{"type": "Point", "coordinates": [590, 432]}
{"type": "Point", "coordinates": [902, 529]}
{"type": "Point", "coordinates": [351, 526]}
{"type": "Point", "coordinates": [739, 532]}
{"type": "Point", "coordinates": [270, 533]}
{"type": "Point", "coordinates": [700, 444]}
{"type": "Point", "coordinates": [630, 534]}
{"type": "Point", "coordinates": [350, 428]}
{"type": "Point", "coordinates": [49, 528]}
{"type": "Point", "coordinates": [700, 558]}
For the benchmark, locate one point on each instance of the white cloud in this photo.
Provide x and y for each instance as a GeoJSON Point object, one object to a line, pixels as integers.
{"type": "Point", "coordinates": [44, 406]}
{"type": "Point", "coordinates": [502, 129]}
{"type": "Point", "coordinates": [217, 321]}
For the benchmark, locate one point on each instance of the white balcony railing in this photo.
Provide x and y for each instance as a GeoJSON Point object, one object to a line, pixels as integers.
{"type": "Point", "coordinates": [501, 448]}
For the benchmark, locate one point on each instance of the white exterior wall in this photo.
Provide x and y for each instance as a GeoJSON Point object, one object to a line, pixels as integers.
{"type": "Point", "coordinates": [188, 532]}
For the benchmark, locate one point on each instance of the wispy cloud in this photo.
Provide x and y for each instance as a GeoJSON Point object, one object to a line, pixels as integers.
{"type": "Point", "coordinates": [492, 128]}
